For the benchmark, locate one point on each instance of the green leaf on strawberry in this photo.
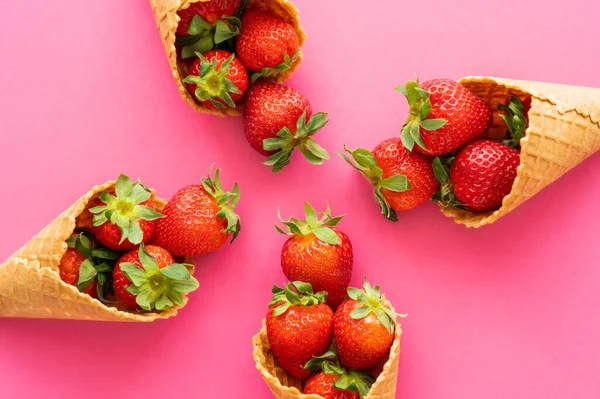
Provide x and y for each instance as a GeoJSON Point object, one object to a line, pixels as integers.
{"type": "Point", "coordinates": [445, 196]}
{"type": "Point", "coordinates": [364, 161]}
{"type": "Point", "coordinates": [213, 84]}
{"type": "Point", "coordinates": [419, 108]}
{"type": "Point", "coordinates": [226, 201]}
{"type": "Point", "coordinates": [124, 209]}
{"type": "Point", "coordinates": [285, 65]}
{"type": "Point", "coordinates": [294, 293]}
{"type": "Point", "coordinates": [204, 37]}
{"type": "Point", "coordinates": [350, 380]}
{"type": "Point", "coordinates": [516, 121]}
{"type": "Point", "coordinates": [285, 142]}
{"type": "Point", "coordinates": [313, 225]}
{"type": "Point", "coordinates": [156, 288]}
{"type": "Point", "coordinates": [370, 298]}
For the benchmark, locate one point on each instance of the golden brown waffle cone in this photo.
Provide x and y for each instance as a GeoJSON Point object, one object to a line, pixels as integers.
{"type": "Point", "coordinates": [284, 386]}
{"type": "Point", "coordinates": [165, 14]}
{"type": "Point", "coordinates": [564, 129]}
{"type": "Point", "coordinates": [30, 285]}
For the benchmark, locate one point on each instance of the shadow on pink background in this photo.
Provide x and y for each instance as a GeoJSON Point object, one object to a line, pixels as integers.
{"type": "Point", "coordinates": [507, 311]}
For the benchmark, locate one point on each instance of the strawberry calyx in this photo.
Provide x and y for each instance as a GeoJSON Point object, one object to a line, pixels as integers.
{"type": "Point", "coordinates": [98, 264]}
{"type": "Point", "coordinates": [156, 288]}
{"type": "Point", "coordinates": [203, 37]}
{"type": "Point", "coordinates": [226, 201]}
{"type": "Point", "coordinates": [516, 121]}
{"type": "Point", "coordinates": [285, 65]}
{"type": "Point", "coordinates": [349, 380]}
{"type": "Point", "coordinates": [124, 209]}
{"type": "Point", "coordinates": [321, 228]}
{"type": "Point", "coordinates": [371, 298]}
{"type": "Point", "coordinates": [213, 84]}
{"type": "Point", "coordinates": [294, 293]}
{"type": "Point", "coordinates": [364, 161]}
{"type": "Point", "coordinates": [445, 196]}
{"type": "Point", "coordinates": [286, 142]}
{"type": "Point", "coordinates": [419, 109]}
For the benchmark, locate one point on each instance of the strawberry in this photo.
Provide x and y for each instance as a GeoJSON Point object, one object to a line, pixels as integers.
{"type": "Point", "coordinates": [87, 266]}
{"type": "Point", "coordinates": [217, 79]}
{"type": "Point", "coordinates": [333, 381]}
{"type": "Point", "coordinates": [363, 328]}
{"type": "Point", "coordinates": [199, 218]}
{"type": "Point", "coordinates": [279, 119]}
{"type": "Point", "coordinates": [123, 221]}
{"type": "Point", "coordinates": [206, 24]}
{"type": "Point", "coordinates": [318, 253]}
{"type": "Point", "coordinates": [443, 116]}
{"type": "Point", "coordinates": [267, 44]}
{"type": "Point", "coordinates": [482, 173]}
{"type": "Point", "coordinates": [299, 326]}
{"type": "Point", "coordinates": [402, 179]}
{"type": "Point", "coordinates": [148, 278]}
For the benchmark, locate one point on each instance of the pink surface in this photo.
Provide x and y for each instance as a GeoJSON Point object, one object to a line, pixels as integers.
{"type": "Point", "coordinates": [510, 310]}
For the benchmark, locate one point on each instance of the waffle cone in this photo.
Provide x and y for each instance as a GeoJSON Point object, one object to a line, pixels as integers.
{"type": "Point", "coordinates": [30, 285]}
{"type": "Point", "coordinates": [165, 14]}
{"type": "Point", "coordinates": [564, 129]}
{"type": "Point", "coordinates": [284, 386]}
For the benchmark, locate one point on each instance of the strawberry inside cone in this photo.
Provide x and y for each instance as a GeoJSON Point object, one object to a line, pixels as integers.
{"type": "Point", "coordinates": [126, 219]}
{"type": "Point", "coordinates": [206, 25]}
{"type": "Point", "coordinates": [88, 266]}
{"type": "Point", "coordinates": [332, 380]}
{"type": "Point", "coordinates": [149, 279]}
{"type": "Point", "coordinates": [481, 174]}
{"type": "Point", "coordinates": [217, 79]}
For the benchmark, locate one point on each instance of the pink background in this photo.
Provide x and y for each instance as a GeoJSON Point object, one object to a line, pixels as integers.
{"type": "Point", "coordinates": [507, 311]}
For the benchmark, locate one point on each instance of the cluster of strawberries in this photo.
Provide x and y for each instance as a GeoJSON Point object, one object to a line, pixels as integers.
{"type": "Point", "coordinates": [301, 323]}
{"type": "Point", "coordinates": [440, 154]}
{"type": "Point", "coordinates": [223, 40]}
{"type": "Point", "coordinates": [128, 255]}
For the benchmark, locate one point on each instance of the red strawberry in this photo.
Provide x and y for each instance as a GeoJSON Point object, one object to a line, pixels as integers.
{"type": "Point", "coordinates": [298, 326]}
{"type": "Point", "coordinates": [402, 179]}
{"type": "Point", "coordinates": [443, 116]}
{"type": "Point", "coordinates": [206, 24]}
{"type": "Point", "coordinates": [86, 266]}
{"type": "Point", "coordinates": [363, 328]}
{"type": "Point", "coordinates": [267, 43]}
{"type": "Point", "coordinates": [199, 218]}
{"type": "Point", "coordinates": [148, 278]}
{"type": "Point", "coordinates": [334, 381]}
{"type": "Point", "coordinates": [279, 119]}
{"type": "Point", "coordinates": [209, 11]}
{"type": "Point", "coordinates": [123, 221]}
{"type": "Point", "coordinates": [318, 253]}
{"type": "Point", "coordinates": [217, 79]}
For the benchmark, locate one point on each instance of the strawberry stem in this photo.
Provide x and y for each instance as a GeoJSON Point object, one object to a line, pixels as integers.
{"type": "Point", "coordinates": [226, 201]}
{"type": "Point", "coordinates": [371, 298]}
{"type": "Point", "coordinates": [313, 225]}
{"type": "Point", "coordinates": [285, 65]}
{"type": "Point", "coordinates": [294, 293]}
{"type": "Point", "coordinates": [516, 121]}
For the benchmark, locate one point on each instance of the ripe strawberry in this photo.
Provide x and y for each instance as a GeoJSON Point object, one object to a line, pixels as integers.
{"type": "Point", "coordinates": [482, 172]}
{"type": "Point", "coordinates": [298, 326]}
{"type": "Point", "coordinates": [363, 328]}
{"type": "Point", "coordinates": [206, 24]}
{"type": "Point", "coordinates": [217, 79]}
{"type": "Point", "coordinates": [443, 116]}
{"type": "Point", "coordinates": [123, 221]}
{"type": "Point", "coordinates": [267, 43]}
{"type": "Point", "coordinates": [275, 123]}
{"type": "Point", "coordinates": [318, 253]}
{"type": "Point", "coordinates": [402, 179]}
{"type": "Point", "coordinates": [87, 266]}
{"type": "Point", "coordinates": [199, 218]}
{"type": "Point", "coordinates": [148, 278]}
{"type": "Point", "coordinates": [333, 381]}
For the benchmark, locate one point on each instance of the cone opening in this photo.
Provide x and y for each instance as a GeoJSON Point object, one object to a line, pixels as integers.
{"type": "Point", "coordinates": [284, 385]}
{"type": "Point", "coordinates": [493, 93]}
{"type": "Point", "coordinates": [180, 67]}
